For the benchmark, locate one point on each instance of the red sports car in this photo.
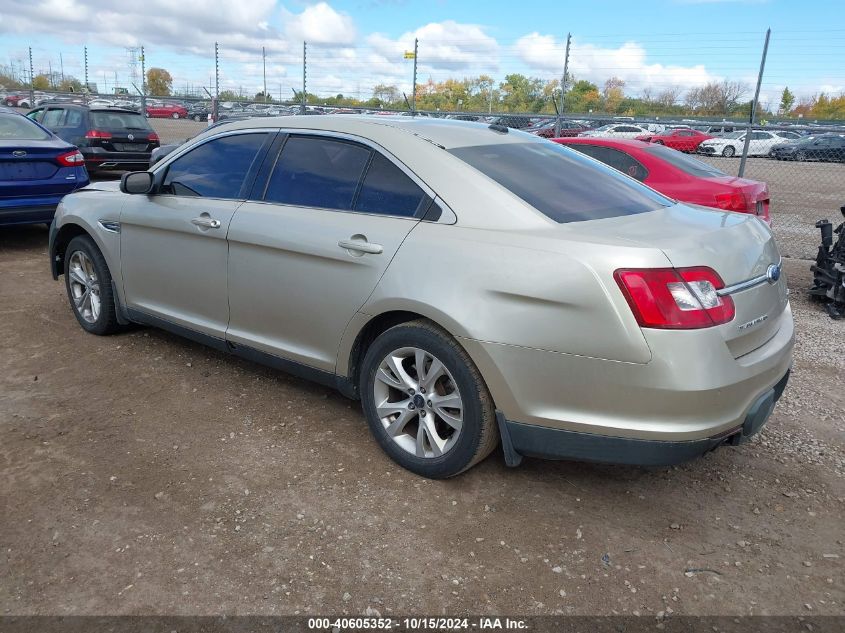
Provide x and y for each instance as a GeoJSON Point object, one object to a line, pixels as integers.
{"type": "Point", "coordinates": [167, 110]}
{"type": "Point", "coordinates": [681, 139]}
{"type": "Point", "coordinates": [676, 175]}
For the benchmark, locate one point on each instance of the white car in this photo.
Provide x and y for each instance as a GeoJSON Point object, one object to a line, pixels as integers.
{"type": "Point", "coordinates": [732, 144]}
{"type": "Point", "coordinates": [617, 130]}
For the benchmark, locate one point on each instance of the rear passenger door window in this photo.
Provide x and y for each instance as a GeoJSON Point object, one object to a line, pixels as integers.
{"type": "Point", "coordinates": [615, 158]}
{"type": "Point", "coordinates": [216, 169]}
{"type": "Point", "coordinates": [317, 172]}
{"type": "Point", "coordinates": [53, 118]}
{"type": "Point", "coordinates": [340, 175]}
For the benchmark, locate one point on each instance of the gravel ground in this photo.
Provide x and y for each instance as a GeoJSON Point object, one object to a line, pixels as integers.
{"type": "Point", "coordinates": [142, 474]}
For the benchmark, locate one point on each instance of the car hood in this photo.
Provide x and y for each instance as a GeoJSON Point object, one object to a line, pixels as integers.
{"type": "Point", "coordinates": [103, 185]}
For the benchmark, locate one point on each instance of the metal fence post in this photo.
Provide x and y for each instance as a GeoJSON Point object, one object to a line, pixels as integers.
{"type": "Point", "coordinates": [215, 103]}
{"type": "Point", "coordinates": [87, 91]}
{"type": "Point", "coordinates": [749, 130]}
{"type": "Point", "coordinates": [143, 83]}
{"type": "Point", "coordinates": [414, 87]}
{"type": "Point", "coordinates": [304, 73]}
{"type": "Point", "coordinates": [563, 84]}
{"type": "Point", "coordinates": [31, 81]}
{"type": "Point", "coordinates": [264, 70]}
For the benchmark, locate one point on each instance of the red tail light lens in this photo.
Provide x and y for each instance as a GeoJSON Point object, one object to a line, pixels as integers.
{"type": "Point", "coordinates": [97, 134]}
{"type": "Point", "coordinates": [734, 201]}
{"type": "Point", "coordinates": [73, 158]}
{"type": "Point", "coordinates": [675, 298]}
{"type": "Point", "coordinates": [153, 137]}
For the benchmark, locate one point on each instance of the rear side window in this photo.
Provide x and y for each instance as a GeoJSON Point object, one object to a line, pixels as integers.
{"type": "Point", "coordinates": [216, 169]}
{"type": "Point", "coordinates": [617, 159]}
{"type": "Point", "coordinates": [559, 182]}
{"type": "Point", "coordinates": [388, 190]}
{"type": "Point", "coordinates": [14, 127]}
{"type": "Point", "coordinates": [686, 164]}
{"type": "Point", "coordinates": [105, 120]}
{"type": "Point", "coordinates": [317, 172]}
{"type": "Point", "coordinates": [53, 118]}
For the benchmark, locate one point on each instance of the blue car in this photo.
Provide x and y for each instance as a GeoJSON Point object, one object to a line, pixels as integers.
{"type": "Point", "coordinates": [37, 169]}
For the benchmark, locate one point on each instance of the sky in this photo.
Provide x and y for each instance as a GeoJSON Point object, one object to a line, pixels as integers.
{"type": "Point", "coordinates": [355, 44]}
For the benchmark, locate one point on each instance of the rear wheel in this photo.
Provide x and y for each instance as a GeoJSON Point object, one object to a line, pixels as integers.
{"type": "Point", "coordinates": [728, 151]}
{"type": "Point", "coordinates": [197, 118]}
{"type": "Point", "coordinates": [425, 401]}
{"type": "Point", "coordinates": [89, 287]}
{"type": "Point", "coordinates": [175, 115]}
{"type": "Point", "coordinates": [658, 142]}
{"type": "Point", "coordinates": [800, 155]}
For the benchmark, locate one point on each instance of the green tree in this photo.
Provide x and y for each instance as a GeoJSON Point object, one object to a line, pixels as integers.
{"type": "Point", "coordinates": [70, 84]}
{"type": "Point", "coordinates": [159, 82]}
{"type": "Point", "coordinates": [228, 95]}
{"type": "Point", "coordinates": [787, 100]}
{"type": "Point", "coordinates": [260, 97]}
{"type": "Point", "coordinates": [41, 82]}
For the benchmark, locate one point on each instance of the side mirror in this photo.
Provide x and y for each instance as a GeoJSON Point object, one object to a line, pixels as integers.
{"type": "Point", "coordinates": [137, 182]}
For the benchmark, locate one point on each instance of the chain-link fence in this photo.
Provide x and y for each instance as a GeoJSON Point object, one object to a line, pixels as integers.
{"type": "Point", "coordinates": [555, 85]}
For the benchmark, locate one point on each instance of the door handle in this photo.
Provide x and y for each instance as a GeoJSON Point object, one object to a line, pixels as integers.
{"type": "Point", "coordinates": [361, 247]}
{"type": "Point", "coordinates": [206, 222]}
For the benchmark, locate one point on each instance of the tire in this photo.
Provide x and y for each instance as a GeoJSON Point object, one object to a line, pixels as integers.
{"type": "Point", "coordinates": [659, 143]}
{"type": "Point", "coordinates": [86, 270]}
{"type": "Point", "coordinates": [800, 155]}
{"type": "Point", "coordinates": [196, 118]}
{"type": "Point", "coordinates": [175, 115]}
{"type": "Point", "coordinates": [462, 447]}
{"type": "Point", "coordinates": [729, 151]}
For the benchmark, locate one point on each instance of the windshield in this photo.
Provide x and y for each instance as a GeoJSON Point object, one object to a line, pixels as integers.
{"type": "Point", "coordinates": [685, 163]}
{"type": "Point", "coordinates": [112, 120]}
{"type": "Point", "coordinates": [560, 182]}
{"type": "Point", "coordinates": [14, 127]}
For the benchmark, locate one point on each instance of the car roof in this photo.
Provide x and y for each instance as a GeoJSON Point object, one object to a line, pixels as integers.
{"type": "Point", "coordinates": [445, 133]}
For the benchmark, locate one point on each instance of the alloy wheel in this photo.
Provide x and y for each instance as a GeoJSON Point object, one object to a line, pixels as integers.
{"type": "Point", "coordinates": [84, 287]}
{"type": "Point", "coordinates": [418, 402]}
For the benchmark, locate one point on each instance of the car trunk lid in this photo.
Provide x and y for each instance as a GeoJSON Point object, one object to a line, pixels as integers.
{"type": "Point", "coordinates": [739, 247]}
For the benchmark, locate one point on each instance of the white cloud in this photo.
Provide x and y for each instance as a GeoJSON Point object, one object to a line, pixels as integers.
{"type": "Point", "coordinates": [320, 24]}
{"type": "Point", "coordinates": [595, 63]}
{"type": "Point", "coordinates": [443, 45]}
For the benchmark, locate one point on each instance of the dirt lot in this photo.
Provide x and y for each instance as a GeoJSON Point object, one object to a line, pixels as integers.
{"type": "Point", "coordinates": [145, 474]}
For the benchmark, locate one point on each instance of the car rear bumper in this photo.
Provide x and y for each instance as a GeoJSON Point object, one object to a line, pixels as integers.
{"type": "Point", "coordinates": [28, 210]}
{"type": "Point", "coordinates": [97, 159]}
{"type": "Point", "coordinates": [549, 443]}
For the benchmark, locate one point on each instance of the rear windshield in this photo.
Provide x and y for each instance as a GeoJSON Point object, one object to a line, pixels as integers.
{"type": "Point", "coordinates": [14, 127]}
{"type": "Point", "coordinates": [561, 183]}
{"type": "Point", "coordinates": [686, 164]}
{"type": "Point", "coordinates": [105, 120]}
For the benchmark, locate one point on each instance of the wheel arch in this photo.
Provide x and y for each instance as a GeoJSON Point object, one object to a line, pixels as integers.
{"type": "Point", "coordinates": [64, 235]}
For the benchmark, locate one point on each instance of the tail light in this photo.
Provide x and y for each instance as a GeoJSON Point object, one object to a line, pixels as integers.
{"type": "Point", "coordinates": [675, 298]}
{"type": "Point", "coordinates": [91, 134]}
{"type": "Point", "coordinates": [733, 201]}
{"type": "Point", "coordinates": [153, 137]}
{"type": "Point", "coordinates": [73, 158]}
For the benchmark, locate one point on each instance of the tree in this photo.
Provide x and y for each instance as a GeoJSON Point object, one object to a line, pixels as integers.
{"type": "Point", "coordinates": [385, 94]}
{"type": "Point", "coordinates": [613, 93]}
{"type": "Point", "coordinates": [787, 100]}
{"type": "Point", "coordinates": [260, 97]}
{"type": "Point", "coordinates": [70, 84]}
{"type": "Point", "coordinates": [716, 97]}
{"type": "Point", "coordinates": [228, 95]}
{"type": "Point", "coordinates": [41, 82]}
{"type": "Point", "coordinates": [159, 82]}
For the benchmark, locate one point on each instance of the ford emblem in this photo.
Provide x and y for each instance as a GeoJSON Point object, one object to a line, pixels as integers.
{"type": "Point", "coordinates": [773, 273]}
{"type": "Point", "coordinates": [18, 153]}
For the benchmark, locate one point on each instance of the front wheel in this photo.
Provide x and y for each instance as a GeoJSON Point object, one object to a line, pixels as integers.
{"type": "Point", "coordinates": [89, 287]}
{"type": "Point", "coordinates": [800, 156]}
{"type": "Point", "coordinates": [175, 115]}
{"type": "Point", "coordinates": [728, 151]}
{"type": "Point", "coordinates": [197, 118]}
{"type": "Point", "coordinates": [425, 401]}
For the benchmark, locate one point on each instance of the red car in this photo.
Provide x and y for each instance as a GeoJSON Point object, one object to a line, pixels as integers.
{"type": "Point", "coordinates": [11, 100]}
{"type": "Point", "coordinates": [167, 110]}
{"type": "Point", "coordinates": [546, 128]}
{"type": "Point", "coordinates": [676, 175]}
{"type": "Point", "coordinates": [681, 139]}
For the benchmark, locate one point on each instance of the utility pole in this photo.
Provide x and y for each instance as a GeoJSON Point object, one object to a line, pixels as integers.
{"type": "Point", "coordinates": [563, 84]}
{"type": "Point", "coordinates": [62, 66]}
{"type": "Point", "coordinates": [143, 83]}
{"type": "Point", "coordinates": [31, 81]}
{"type": "Point", "coordinates": [751, 118]}
{"type": "Point", "coordinates": [414, 93]}
{"type": "Point", "coordinates": [304, 69]}
{"type": "Point", "coordinates": [264, 65]}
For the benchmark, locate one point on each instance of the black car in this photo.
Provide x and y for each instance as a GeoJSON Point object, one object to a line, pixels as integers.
{"type": "Point", "coordinates": [109, 138]}
{"type": "Point", "coordinates": [823, 147]}
{"type": "Point", "coordinates": [199, 111]}
{"type": "Point", "coordinates": [512, 121]}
